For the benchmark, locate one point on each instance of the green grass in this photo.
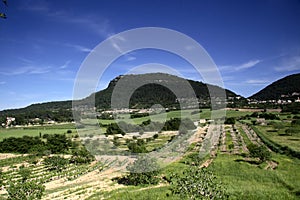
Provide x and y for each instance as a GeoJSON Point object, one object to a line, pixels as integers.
{"type": "Point", "coordinates": [204, 114]}
{"type": "Point", "coordinates": [278, 136]}
{"type": "Point", "coordinates": [35, 131]}
{"type": "Point", "coordinates": [246, 181]}
{"type": "Point", "coordinates": [139, 193]}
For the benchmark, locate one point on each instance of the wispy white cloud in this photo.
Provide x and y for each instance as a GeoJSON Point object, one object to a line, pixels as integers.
{"type": "Point", "coordinates": [79, 48]}
{"type": "Point", "coordinates": [2, 82]}
{"type": "Point", "coordinates": [26, 70]}
{"type": "Point", "coordinates": [290, 64]}
{"type": "Point", "coordinates": [247, 65]}
{"type": "Point", "coordinates": [242, 66]}
{"type": "Point", "coordinates": [65, 65]}
{"type": "Point", "coordinates": [257, 82]}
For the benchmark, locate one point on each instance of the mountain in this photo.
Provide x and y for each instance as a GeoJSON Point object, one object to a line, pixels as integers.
{"type": "Point", "coordinates": [154, 89]}
{"type": "Point", "coordinates": [149, 93]}
{"type": "Point", "coordinates": [287, 87]}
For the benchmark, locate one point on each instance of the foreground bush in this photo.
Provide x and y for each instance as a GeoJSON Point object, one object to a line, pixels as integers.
{"type": "Point", "coordinates": [25, 189]}
{"type": "Point", "coordinates": [143, 171]}
{"type": "Point", "coordinates": [260, 152]}
{"type": "Point", "coordinates": [197, 183]}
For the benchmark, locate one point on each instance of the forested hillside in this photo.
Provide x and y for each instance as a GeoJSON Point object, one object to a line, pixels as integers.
{"type": "Point", "coordinates": [285, 86]}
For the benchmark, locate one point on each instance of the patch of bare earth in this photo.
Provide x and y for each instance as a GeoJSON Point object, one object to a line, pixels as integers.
{"type": "Point", "coordinates": [271, 165]}
{"type": "Point", "coordinates": [84, 186]}
{"type": "Point", "coordinates": [8, 155]}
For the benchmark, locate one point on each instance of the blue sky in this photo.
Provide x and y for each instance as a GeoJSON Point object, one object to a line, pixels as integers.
{"type": "Point", "coordinates": [43, 43]}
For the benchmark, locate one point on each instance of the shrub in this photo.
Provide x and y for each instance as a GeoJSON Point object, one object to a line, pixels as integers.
{"type": "Point", "coordinates": [56, 163]}
{"type": "Point", "coordinates": [69, 131]}
{"type": "Point", "coordinates": [230, 120]}
{"type": "Point", "coordinates": [30, 190]}
{"type": "Point", "coordinates": [260, 152]}
{"type": "Point", "coordinates": [143, 171]}
{"type": "Point", "coordinates": [197, 183]}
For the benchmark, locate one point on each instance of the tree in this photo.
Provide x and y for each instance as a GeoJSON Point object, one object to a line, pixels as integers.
{"type": "Point", "coordinates": [24, 173]}
{"type": "Point", "coordinates": [197, 183]}
{"type": "Point", "coordinates": [137, 147]}
{"type": "Point", "coordinates": [143, 171]}
{"type": "Point", "coordinates": [81, 156]}
{"type": "Point", "coordinates": [260, 152]}
{"type": "Point", "coordinates": [58, 143]}
{"type": "Point", "coordinates": [56, 163]}
{"type": "Point", "coordinates": [230, 120]}
{"type": "Point", "coordinates": [3, 15]}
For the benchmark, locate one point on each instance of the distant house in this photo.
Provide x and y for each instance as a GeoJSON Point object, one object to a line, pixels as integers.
{"type": "Point", "coordinates": [9, 121]}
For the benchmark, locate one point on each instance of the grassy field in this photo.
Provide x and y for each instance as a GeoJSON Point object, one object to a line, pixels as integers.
{"type": "Point", "coordinates": [279, 136]}
{"type": "Point", "coordinates": [247, 181]}
{"type": "Point", "coordinates": [36, 130]}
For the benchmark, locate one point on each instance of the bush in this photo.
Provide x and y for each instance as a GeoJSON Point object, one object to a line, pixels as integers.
{"type": "Point", "coordinates": [29, 190]}
{"type": "Point", "coordinates": [81, 156]}
{"type": "Point", "coordinates": [230, 120]}
{"type": "Point", "coordinates": [56, 163]}
{"type": "Point", "coordinates": [260, 152]}
{"type": "Point", "coordinates": [143, 171]}
{"type": "Point", "coordinates": [197, 183]}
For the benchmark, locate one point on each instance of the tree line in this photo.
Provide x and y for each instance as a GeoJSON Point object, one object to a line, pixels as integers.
{"type": "Point", "coordinates": [173, 124]}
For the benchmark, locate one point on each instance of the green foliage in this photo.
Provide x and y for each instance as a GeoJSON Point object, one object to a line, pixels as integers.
{"type": "Point", "coordinates": [230, 120]}
{"type": "Point", "coordinates": [155, 136]}
{"type": "Point", "coordinates": [56, 163]}
{"type": "Point", "coordinates": [39, 150]}
{"type": "Point", "coordinates": [260, 152]}
{"type": "Point", "coordinates": [268, 116]}
{"type": "Point", "coordinates": [286, 85]}
{"type": "Point", "coordinates": [137, 146]}
{"type": "Point", "coordinates": [197, 183]}
{"type": "Point", "coordinates": [114, 129]}
{"type": "Point", "coordinates": [275, 146]}
{"type": "Point", "coordinates": [24, 173]}
{"type": "Point", "coordinates": [173, 124]}
{"type": "Point", "coordinates": [277, 125]}
{"type": "Point", "coordinates": [1, 178]}
{"type": "Point", "coordinates": [143, 171]}
{"type": "Point", "coordinates": [138, 115]}
{"type": "Point", "coordinates": [192, 159]}
{"type": "Point", "coordinates": [19, 145]}
{"type": "Point", "coordinates": [69, 131]}
{"type": "Point", "coordinates": [295, 122]}
{"type": "Point", "coordinates": [292, 131]}
{"type": "Point", "coordinates": [29, 190]}
{"type": "Point", "coordinates": [58, 143]}
{"type": "Point", "coordinates": [81, 156]}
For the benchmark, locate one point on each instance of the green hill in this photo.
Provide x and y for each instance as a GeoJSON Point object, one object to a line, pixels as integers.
{"type": "Point", "coordinates": [152, 92]}
{"type": "Point", "coordinates": [286, 87]}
